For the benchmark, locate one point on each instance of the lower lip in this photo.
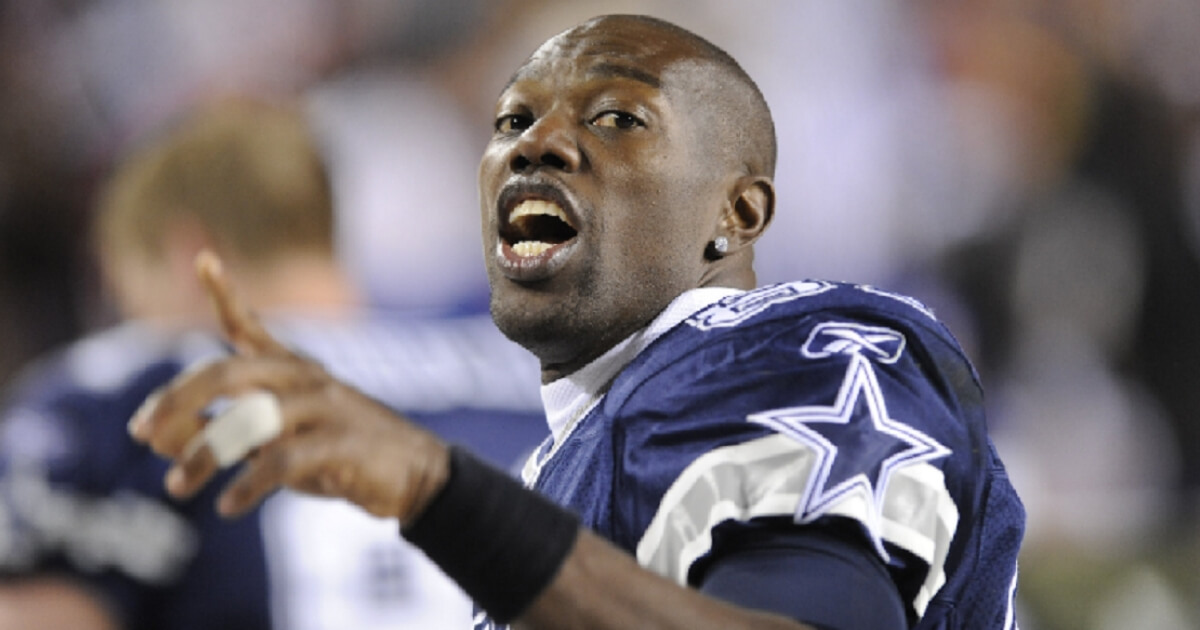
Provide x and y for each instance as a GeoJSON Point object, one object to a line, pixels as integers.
{"type": "Point", "coordinates": [533, 268]}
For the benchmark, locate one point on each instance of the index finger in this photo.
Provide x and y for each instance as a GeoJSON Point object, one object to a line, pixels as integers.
{"type": "Point", "coordinates": [242, 328]}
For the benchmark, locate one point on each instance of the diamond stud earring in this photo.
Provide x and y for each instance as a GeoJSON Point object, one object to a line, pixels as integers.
{"type": "Point", "coordinates": [716, 248]}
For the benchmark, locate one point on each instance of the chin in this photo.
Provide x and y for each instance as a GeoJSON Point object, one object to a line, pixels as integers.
{"type": "Point", "coordinates": [533, 330]}
{"type": "Point", "coordinates": [537, 315]}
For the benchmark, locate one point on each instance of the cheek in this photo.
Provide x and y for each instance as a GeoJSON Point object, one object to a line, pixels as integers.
{"type": "Point", "coordinates": [664, 219]}
{"type": "Point", "coordinates": [491, 173]}
{"type": "Point", "coordinates": [657, 249]}
{"type": "Point", "coordinates": [490, 178]}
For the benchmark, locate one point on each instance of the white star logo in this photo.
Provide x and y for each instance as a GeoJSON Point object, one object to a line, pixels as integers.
{"type": "Point", "coordinates": [873, 445]}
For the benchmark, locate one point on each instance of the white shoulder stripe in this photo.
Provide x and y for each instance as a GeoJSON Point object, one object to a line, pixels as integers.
{"type": "Point", "coordinates": [763, 477]}
{"type": "Point", "coordinates": [769, 476]}
{"type": "Point", "coordinates": [920, 516]}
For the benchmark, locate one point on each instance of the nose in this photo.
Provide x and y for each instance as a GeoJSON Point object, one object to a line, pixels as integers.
{"type": "Point", "coordinates": [548, 142]}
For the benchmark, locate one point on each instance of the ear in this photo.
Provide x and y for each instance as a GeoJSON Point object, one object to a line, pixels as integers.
{"type": "Point", "coordinates": [751, 208]}
{"type": "Point", "coordinates": [153, 285]}
{"type": "Point", "coordinates": [183, 239]}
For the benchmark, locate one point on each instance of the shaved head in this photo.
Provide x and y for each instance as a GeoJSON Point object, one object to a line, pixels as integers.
{"type": "Point", "coordinates": [729, 105]}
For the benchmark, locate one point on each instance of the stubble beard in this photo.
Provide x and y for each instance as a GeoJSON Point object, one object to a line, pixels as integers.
{"type": "Point", "coordinates": [565, 333]}
{"type": "Point", "coordinates": [545, 325]}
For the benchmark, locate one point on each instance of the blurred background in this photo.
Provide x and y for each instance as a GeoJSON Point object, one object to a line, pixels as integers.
{"type": "Point", "coordinates": [1029, 168]}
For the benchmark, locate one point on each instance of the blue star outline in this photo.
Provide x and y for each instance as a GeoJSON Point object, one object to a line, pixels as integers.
{"type": "Point", "coordinates": [874, 446]}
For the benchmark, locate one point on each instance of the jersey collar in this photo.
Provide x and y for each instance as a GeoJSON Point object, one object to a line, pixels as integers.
{"type": "Point", "coordinates": [569, 398]}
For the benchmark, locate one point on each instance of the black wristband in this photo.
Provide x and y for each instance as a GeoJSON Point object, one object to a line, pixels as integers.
{"type": "Point", "coordinates": [501, 542]}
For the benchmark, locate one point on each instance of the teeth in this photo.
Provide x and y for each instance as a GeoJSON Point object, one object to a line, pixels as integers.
{"type": "Point", "coordinates": [538, 206]}
{"type": "Point", "coordinates": [525, 249]}
{"type": "Point", "coordinates": [530, 208]}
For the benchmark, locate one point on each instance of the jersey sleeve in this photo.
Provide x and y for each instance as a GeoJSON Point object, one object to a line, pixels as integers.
{"type": "Point", "coordinates": [78, 499]}
{"type": "Point", "coordinates": [850, 420]}
{"type": "Point", "coordinates": [757, 571]}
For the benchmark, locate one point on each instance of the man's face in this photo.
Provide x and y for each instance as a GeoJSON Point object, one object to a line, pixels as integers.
{"type": "Point", "coordinates": [598, 195]}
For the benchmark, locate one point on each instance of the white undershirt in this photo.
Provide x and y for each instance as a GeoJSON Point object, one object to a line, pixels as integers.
{"type": "Point", "coordinates": [569, 398]}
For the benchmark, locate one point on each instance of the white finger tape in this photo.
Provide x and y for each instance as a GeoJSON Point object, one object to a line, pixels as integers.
{"type": "Point", "coordinates": [251, 421]}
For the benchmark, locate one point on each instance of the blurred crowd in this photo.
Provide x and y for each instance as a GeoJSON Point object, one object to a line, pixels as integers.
{"type": "Point", "coordinates": [1029, 168]}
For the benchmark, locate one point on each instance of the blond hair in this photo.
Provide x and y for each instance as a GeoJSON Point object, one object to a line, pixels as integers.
{"type": "Point", "coordinates": [251, 174]}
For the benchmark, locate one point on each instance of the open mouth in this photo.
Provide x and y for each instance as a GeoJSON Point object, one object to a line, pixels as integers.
{"type": "Point", "coordinates": [535, 226]}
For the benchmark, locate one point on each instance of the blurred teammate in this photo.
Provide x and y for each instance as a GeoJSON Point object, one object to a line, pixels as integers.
{"type": "Point", "coordinates": [89, 537]}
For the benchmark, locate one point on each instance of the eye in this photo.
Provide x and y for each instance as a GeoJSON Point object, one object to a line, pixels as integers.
{"type": "Point", "coordinates": [512, 122]}
{"type": "Point", "coordinates": [617, 120]}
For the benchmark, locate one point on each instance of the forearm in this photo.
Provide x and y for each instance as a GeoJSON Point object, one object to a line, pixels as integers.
{"type": "Point", "coordinates": [526, 560]}
{"type": "Point", "coordinates": [599, 586]}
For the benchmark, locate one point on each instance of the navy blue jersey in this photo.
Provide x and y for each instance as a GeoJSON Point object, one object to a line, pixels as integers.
{"type": "Point", "coordinates": [798, 408]}
{"type": "Point", "coordinates": [80, 499]}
